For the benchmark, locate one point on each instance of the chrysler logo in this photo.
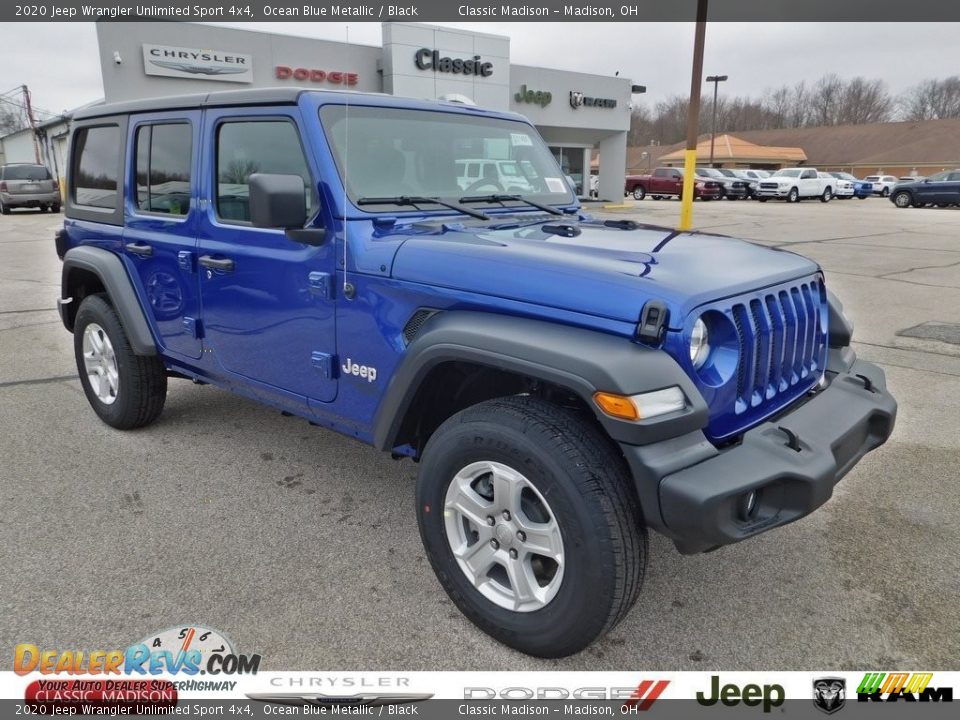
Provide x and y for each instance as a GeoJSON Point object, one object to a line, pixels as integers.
{"type": "Point", "coordinates": [319, 699]}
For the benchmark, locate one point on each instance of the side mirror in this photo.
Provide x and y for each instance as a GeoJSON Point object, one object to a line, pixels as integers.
{"type": "Point", "coordinates": [277, 201]}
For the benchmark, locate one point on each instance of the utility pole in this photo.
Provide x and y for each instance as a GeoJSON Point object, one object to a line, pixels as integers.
{"type": "Point", "coordinates": [693, 119]}
{"type": "Point", "coordinates": [716, 80]}
{"type": "Point", "coordinates": [32, 121]}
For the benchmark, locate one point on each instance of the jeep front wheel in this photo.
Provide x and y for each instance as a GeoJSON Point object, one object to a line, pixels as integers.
{"type": "Point", "coordinates": [529, 519]}
{"type": "Point", "coordinates": [126, 390]}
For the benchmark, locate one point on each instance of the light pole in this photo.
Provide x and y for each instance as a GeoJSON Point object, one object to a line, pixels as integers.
{"type": "Point", "coordinates": [716, 80]}
{"type": "Point", "coordinates": [693, 118]}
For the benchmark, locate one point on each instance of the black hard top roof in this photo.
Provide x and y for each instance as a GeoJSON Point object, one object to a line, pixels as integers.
{"type": "Point", "coordinates": [223, 98]}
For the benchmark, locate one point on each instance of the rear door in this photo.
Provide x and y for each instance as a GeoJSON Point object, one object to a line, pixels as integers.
{"type": "Point", "coordinates": [809, 183]}
{"type": "Point", "coordinates": [161, 214]}
{"type": "Point", "coordinates": [953, 188]}
{"type": "Point", "coordinates": [268, 307]}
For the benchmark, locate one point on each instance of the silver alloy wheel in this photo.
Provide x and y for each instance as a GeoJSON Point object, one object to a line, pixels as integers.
{"type": "Point", "coordinates": [504, 536]}
{"type": "Point", "coordinates": [902, 200]}
{"type": "Point", "coordinates": [100, 362]}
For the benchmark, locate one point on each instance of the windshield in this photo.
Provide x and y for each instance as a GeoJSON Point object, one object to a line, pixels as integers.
{"type": "Point", "coordinates": [26, 172]}
{"type": "Point", "coordinates": [391, 152]}
{"type": "Point", "coordinates": [709, 172]}
{"type": "Point", "coordinates": [787, 173]}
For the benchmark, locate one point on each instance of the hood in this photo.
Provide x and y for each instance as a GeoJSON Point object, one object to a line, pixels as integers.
{"type": "Point", "coordinates": [604, 271]}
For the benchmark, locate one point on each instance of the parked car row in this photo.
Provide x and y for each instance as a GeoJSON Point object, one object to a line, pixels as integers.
{"type": "Point", "coordinates": [789, 184]}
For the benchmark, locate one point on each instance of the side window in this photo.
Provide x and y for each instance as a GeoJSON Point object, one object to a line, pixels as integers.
{"type": "Point", "coordinates": [163, 158]}
{"type": "Point", "coordinates": [96, 157]}
{"type": "Point", "coordinates": [659, 172]}
{"type": "Point", "coordinates": [256, 146]}
{"type": "Point", "coordinates": [955, 177]}
{"type": "Point", "coordinates": [473, 170]}
{"type": "Point", "coordinates": [807, 175]}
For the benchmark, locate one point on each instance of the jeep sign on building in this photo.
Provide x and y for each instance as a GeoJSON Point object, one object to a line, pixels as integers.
{"type": "Point", "coordinates": [149, 59]}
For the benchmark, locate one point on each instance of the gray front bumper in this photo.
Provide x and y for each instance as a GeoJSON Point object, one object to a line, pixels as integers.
{"type": "Point", "coordinates": [699, 502]}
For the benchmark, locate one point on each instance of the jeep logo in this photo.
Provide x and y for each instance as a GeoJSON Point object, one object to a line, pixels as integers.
{"type": "Point", "coordinates": [770, 696]}
{"type": "Point", "coordinates": [364, 371]}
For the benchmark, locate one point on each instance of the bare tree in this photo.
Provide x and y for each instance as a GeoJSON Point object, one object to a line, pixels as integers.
{"type": "Point", "coordinates": [641, 126]}
{"type": "Point", "coordinates": [10, 121]}
{"type": "Point", "coordinates": [932, 100]}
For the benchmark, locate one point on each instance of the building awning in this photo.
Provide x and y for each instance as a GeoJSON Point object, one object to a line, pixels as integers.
{"type": "Point", "coordinates": [730, 150]}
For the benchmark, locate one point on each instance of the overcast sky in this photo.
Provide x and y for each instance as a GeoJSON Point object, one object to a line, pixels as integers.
{"type": "Point", "coordinates": [58, 61]}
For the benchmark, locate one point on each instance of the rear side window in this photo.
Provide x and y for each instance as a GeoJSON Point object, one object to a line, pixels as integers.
{"type": "Point", "coordinates": [245, 148]}
{"type": "Point", "coordinates": [25, 172]}
{"type": "Point", "coordinates": [95, 166]}
{"type": "Point", "coordinates": [163, 168]}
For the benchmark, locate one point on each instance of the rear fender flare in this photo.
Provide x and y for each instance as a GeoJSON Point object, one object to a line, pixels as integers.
{"type": "Point", "coordinates": [112, 274]}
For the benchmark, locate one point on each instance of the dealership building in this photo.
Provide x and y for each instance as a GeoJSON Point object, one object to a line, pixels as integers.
{"type": "Point", "coordinates": [576, 113]}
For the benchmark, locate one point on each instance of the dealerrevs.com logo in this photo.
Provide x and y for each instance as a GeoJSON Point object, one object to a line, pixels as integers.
{"type": "Point", "coordinates": [190, 650]}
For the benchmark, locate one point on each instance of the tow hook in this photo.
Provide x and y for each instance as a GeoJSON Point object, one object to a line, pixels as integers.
{"type": "Point", "coordinates": [793, 440]}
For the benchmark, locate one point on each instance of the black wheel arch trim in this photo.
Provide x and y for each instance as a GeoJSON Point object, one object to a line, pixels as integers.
{"type": "Point", "coordinates": [580, 360]}
{"type": "Point", "coordinates": [109, 268]}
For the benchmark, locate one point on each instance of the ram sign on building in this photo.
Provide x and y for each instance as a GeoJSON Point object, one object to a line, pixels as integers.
{"type": "Point", "coordinates": [576, 113]}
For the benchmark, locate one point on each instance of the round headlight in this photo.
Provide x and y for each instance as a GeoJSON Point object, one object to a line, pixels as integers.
{"type": "Point", "coordinates": [699, 344]}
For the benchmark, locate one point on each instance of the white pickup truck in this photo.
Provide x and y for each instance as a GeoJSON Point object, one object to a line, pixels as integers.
{"type": "Point", "coordinates": [795, 184]}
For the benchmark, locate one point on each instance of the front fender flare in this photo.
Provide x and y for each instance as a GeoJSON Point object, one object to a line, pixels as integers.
{"type": "Point", "coordinates": [581, 360]}
{"type": "Point", "coordinates": [109, 268]}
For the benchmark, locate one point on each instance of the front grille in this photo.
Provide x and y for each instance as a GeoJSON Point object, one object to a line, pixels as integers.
{"type": "Point", "coordinates": [769, 185]}
{"type": "Point", "coordinates": [782, 343]}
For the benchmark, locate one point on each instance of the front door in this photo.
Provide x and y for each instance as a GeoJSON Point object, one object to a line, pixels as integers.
{"type": "Point", "coordinates": [267, 301]}
{"type": "Point", "coordinates": [160, 233]}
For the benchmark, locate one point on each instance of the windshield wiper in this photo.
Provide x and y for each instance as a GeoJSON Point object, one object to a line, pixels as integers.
{"type": "Point", "coordinates": [503, 198]}
{"type": "Point", "coordinates": [414, 200]}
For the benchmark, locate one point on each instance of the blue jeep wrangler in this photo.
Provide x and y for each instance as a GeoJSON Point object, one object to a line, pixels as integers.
{"type": "Point", "coordinates": [564, 382]}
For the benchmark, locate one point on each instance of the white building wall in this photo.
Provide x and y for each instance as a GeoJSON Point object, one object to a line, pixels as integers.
{"type": "Point", "coordinates": [18, 148]}
{"type": "Point", "coordinates": [401, 76]}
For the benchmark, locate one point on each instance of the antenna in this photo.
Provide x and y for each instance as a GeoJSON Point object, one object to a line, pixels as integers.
{"type": "Point", "coordinates": [348, 289]}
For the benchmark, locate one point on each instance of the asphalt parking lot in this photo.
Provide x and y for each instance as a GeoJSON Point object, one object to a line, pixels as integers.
{"type": "Point", "coordinates": [301, 545]}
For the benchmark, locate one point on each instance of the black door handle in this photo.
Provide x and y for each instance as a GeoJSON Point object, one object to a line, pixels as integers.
{"type": "Point", "coordinates": [208, 261]}
{"type": "Point", "coordinates": [141, 249]}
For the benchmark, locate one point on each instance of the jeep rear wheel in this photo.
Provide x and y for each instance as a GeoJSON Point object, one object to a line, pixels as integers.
{"type": "Point", "coordinates": [126, 390]}
{"type": "Point", "coordinates": [528, 517]}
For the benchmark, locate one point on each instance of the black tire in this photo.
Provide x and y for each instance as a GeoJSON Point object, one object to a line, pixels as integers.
{"type": "Point", "coordinates": [586, 483]}
{"type": "Point", "coordinates": [4, 210]}
{"type": "Point", "coordinates": [657, 197]}
{"type": "Point", "coordinates": [639, 193]}
{"type": "Point", "coordinates": [885, 192]}
{"type": "Point", "coordinates": [793, 196]}
{"type": "Point", "coordinates": [827, 195]}
{"type": "Point", "coordinates": [56, 208]}
{"type": "Point", "coordinates": [142, 384]}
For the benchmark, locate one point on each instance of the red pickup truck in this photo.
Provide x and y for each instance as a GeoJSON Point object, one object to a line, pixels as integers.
{"type": "Point", "coordinates": [667, 181]}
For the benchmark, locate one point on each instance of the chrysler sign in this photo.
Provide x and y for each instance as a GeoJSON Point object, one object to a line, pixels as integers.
{"type": "Point", "coordinates": [197, 64]}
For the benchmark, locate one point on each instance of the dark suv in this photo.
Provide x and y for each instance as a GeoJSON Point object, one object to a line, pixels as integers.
{"type": "Point", "coordinates": [564, 382]}
{"type": "Point", "coordinates": [28, 185]}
